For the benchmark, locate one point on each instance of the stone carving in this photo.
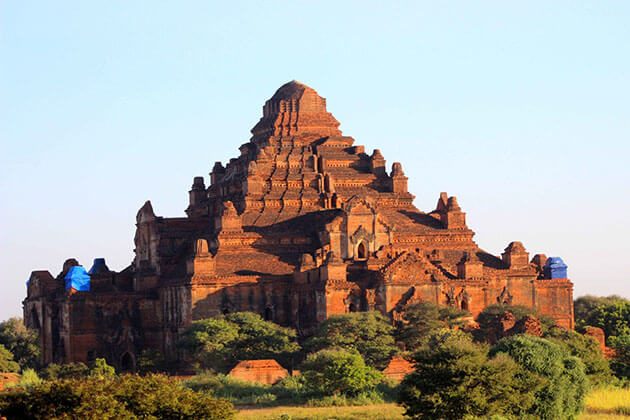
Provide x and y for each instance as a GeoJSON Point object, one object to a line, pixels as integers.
{"type": "Point", "coordinates": [505, 298]}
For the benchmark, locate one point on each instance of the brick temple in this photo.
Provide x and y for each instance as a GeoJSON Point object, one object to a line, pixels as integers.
{"type": "Point", "coordinates": [302, 225]}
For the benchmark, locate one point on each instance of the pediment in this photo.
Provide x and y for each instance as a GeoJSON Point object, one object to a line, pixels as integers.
{"type": "Point", "coordinates": [361, 205]}
{"type": "Point", "coordinates": [410, 268]}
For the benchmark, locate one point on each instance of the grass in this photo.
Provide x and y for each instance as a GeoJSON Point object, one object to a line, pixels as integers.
{"type": "Point", "coordinates": [366, 412]}
{"type": "Point", "coordinates": [601, 404]}
{"type": "Point", "coordinates": [608, 401]}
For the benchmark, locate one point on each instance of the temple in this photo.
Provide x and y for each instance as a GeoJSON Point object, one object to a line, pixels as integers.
{"type": "Point", "coordinates": [301, 225]}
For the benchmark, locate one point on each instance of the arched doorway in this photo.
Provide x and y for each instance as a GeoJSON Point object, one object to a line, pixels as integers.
{"type": "Point", "coordinates": [127, 363]}
{"type": "Point", "coordinates": [268, 314]}
{"type": "Point", "coordinates": [362, 251]}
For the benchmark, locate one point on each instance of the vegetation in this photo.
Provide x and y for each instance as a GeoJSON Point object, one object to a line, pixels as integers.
{"type": "Point", "coordinates": [65, 371]}
{"type": "Point", "coordinates": [562, 382]}
{"type": "Point", "coordinates": [609, 400]}
{"type": "Point", "coordinates": [611, 314]}
{"type": "Point", "coordinates": [422, 319]}
{"type": "Point", "coordinates": [128, 396]}
{"type": "Point", "coordinates": [20, 341]}
{"type": "Point", "coordinates": [587, 350]}
{"type": "Point", "coordinates": [369, 333]}
{"type": "Point", "coordinates": [7, 364]}
{"type": "Point", "coordinates": [369, 412]}
{"type": "Point", "coordinates": [336, 372]}
{"type": "Point", "coordinates": [621, 362]}
{"type": "Point", "coordinates": [218, 343]}
{"type": "Point", "coordinates": [456, 378]}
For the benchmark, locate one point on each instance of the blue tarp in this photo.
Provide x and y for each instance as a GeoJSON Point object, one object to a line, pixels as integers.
{"type": "Point", "coordinates": [98, 267]}
{"type": "Point", "coordinates": [555, 268]}
{"type": "Point", "coordinates": [78, 279]}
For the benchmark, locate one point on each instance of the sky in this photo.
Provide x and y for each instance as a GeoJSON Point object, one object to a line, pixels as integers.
{"type": "Point", "coordinates": [520, 109]}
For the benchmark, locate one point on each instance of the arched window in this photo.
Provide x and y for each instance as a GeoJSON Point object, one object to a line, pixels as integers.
{"type": "Point", "coordinates": [362, 251]}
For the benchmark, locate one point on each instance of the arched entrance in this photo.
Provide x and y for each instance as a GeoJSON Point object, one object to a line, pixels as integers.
{"type": "Point", "coordinates": [362, 251]}
{"type": "Point", "coordinates": [127, 363]}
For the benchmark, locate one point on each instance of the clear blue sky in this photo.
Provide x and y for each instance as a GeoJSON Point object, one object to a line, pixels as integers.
{"type": "Point", "coordinates": [521, 109]}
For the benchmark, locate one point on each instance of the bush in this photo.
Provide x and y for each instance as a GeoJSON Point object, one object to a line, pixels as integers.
{"type": "Point", "coordinates": [21, 342]}
{"type": "Point", "coordinates": [127, 396]}
{"type": "Point", "coordinates": [587, 350]}
{"type": "Point", "coordinates": [621, 362]}
{"type": "Point", "coordinates": [564, 383]}
{"type": "Point", "coordinates": [422, 319]}
{"type": "Point", "coordinates": [454, 378]}
{"type": "Point", "coordinates": [336, 371]}
{"type": "Point", "coordinates": [65, 371]}
{"type": "Point", "coordinates": [7, 364]}
{"type": "Point", "coordinates": [489, 317]}
{"type": "Point", "coordinates": [611, 314]}
{"type": "Point", "coordinates": [218, 343]}
{"type": "Point", "coordinates": [369, 333]}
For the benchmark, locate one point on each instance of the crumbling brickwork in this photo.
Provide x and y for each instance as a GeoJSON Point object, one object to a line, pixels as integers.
{"type": "Point", "coordinates": [302, 225]}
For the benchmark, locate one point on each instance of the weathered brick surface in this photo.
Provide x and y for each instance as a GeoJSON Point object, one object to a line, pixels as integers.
{"type": "Point", "coordinates": [8, 379]}
{"type": "Point", "coordinates": [266, 371]}
{"type": "Point", "coordinates": [301, 225]}
{"type": "Point", "coordinates": [398, 368]}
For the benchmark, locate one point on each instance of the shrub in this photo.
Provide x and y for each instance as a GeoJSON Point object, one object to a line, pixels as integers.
{"type": "Point", "coordinates": [454, 378]}
{"type": "Point", "coordinates": [22, 342]}
{"type": "Point", "coordinates": [102, 370]}
{"type": "Point", "coordinates": [127, 396]}
{"type": "Point", "coordinates": [7, 364]}
{"type": "Point", "coordinates": [612, 314]}
{"type": "Point", "coordinates": [587, 350]}
{"type": "Point", "coordinates": [336, 371]}
{"type": "Point", "coordinates": [621, 362]}
{"type": "Point", "coordinates": [564, 381]}
{"type": "Point", "coordinates": [65, 371]}
{"type": "Point", "coordinates": [369, 333]}
{"type": "Point", "coordinates": [218, 343]}
{"type": "Point", "coordinates": [422, 319]}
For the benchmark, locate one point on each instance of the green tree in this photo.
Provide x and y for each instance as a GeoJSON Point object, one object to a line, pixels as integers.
{"type": "Point", "coordinates": [454, 379]}
{"type": "Point", "coordinates": [151, 360]}
{"type": "Point", "coordinates": [369, 333]}
{"type": "Point", "coordinates": [337, 371]}
{"type": "Point", "coordinates": [621, 362]}
{"type": "Point", "coordinates": [65, 371]}
{"type": "Point", "coordinates": [218, 343]}
{"type": "Point", "coordinates": [611, 314]}
{"type": "Point", "coordinates": [20, 341]}
{"type": "Point", "coordinates": [127, 396]}
{"type": "Point", "coordinates": [565, 384]}
{"type": "Point", "coordinates": [7, 364]}
{"type": "Point", "coordinates": [424, 318]}
{"type": "Point", "coordinates": [587, 350]}
{"type": "Point", "coordinates": [102, 370]}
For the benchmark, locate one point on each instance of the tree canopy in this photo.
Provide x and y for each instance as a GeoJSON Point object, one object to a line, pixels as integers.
{"type": "Point", "coordinates": [114, 397]}
{"type": "Point", "coordinates": [218, 343]}
{"type": "Point", "coordinates": [369, 333]}
{"type": "Point", "coordinates": [7, 364]}
{"type": "Point", "coordinates": [20, 341]}
{"type": "Point", "coordinates": [455, 378]}
{"type": "Point", "coordinates": [611, 314]}
{"type": "Point", "coordinates": [337, 371]}
{"type": "Point", "coordinates": [424, 318]}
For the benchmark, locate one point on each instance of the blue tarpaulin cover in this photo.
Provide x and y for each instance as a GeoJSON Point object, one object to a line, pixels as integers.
{"type": "Point", "coordinates": [78, 279]}
{"type": "Point", "coordinates": [98, 267]}
{"type": "Point", "coordinates": [555, 268]}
